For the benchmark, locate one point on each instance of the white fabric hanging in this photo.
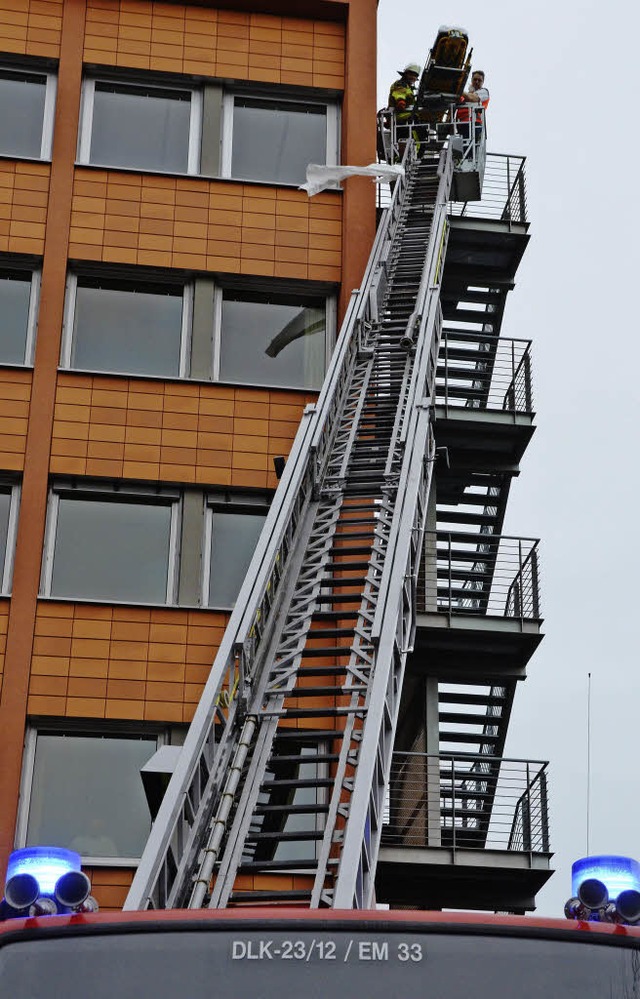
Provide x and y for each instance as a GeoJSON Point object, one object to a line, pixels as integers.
{"type": "Point", "coordinates": [321, 178]}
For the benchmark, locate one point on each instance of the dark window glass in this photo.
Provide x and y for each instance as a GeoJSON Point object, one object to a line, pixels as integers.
{"type": "Point", "coordinates": [15, 293]}
{"type": "Point", "coordinates": [111, 550]}
{"type": "Point", "coordinates": [233, 541]}
{"type": "Point", "coordinates": [5, 507]}
{"type": "Point", "coordinates": [136, 332]}
{"type": "Point", "coordinates": [386, 960]}
{"type": "Point", "coordinates": [274, 142]}
{"type": "Point", "coordinates": [22, 99]}
{"type": "Point", "coordinates": [141, 128]}
{"type": "Point", "coordinates": [277, 342]}
{"type": "Point", "coordinates": [87, 794]}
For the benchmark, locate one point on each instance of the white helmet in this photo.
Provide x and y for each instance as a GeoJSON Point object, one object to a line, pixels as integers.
{"type": "Point", "coordinates": [412, 67]}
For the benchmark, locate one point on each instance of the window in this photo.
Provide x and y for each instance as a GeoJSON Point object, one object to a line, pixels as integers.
{"type": "Point", "coordinates": [18, 308]}
{"type": "Point", "coordinates": [272, 140]}
{"type": "Point", "coordinates": [141, 127]}
{"type": "Point", "coordinates": [9, 503]}
{"type": "Point", "coordinates": [84, 792]}
{"type": "Point", "coordinates": [271, 339]}
{"type": "Point", "coordinates": [126, 327]}
{"type": "Point", "coordinates": [232, 532]}
{"type": "Point", "coordinates": [159, 327]}
{"type": "Point", "coordinates": [27, 103]}
{"type": "Point", "coordinates": [117, 546]}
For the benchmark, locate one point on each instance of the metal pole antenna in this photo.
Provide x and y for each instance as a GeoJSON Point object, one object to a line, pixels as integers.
{"type": "Point", "coordinates": [588, 756]}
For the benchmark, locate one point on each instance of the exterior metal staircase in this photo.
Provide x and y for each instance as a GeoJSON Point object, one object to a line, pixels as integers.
{"type": "Point", "coordinates": [287, 761]}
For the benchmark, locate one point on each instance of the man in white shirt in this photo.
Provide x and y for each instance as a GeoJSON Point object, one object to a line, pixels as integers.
{"type": "Point", "coordinates": [476, 94]}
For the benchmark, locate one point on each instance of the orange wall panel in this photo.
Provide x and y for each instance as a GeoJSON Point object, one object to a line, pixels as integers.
{"type": "Point", "coordinates": [15, 393]}
{"type": "Point", "coordinates": [31, 27]}
{"type": "Point", "coordinates": [166, 221]}
{"type": "Point", "coordinates": [121, 662]}
{"type": "Point", "coordinates": [188, 432]}
{"type": "Point", "coordinates": [109, 885]}
{"type": "Point", "coordinates": [219, 43]}
{"type": "Point", "coordinates": [24, 196]}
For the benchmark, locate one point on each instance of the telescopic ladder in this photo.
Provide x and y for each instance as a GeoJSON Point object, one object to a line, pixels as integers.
{"type": "Point", "coordinates": [285, 765]}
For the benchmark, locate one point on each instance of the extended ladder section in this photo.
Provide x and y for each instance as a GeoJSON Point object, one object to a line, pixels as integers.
{"type": "Point", "coordinates": [286, 764]}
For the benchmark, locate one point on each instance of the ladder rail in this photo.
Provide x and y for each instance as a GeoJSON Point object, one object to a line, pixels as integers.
{"type": "Point", "coordinates": [394, 620]}
{"type": "Point", "coordinates": [187, 805]}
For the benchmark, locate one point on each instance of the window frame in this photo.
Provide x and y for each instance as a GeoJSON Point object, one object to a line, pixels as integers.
{"type": "Point", "coordinates": [32, 312]}
{"type": "Point", "coordinates": [224, 503]}
{"type": "Point", "coordinates": [89, 492]}
{"type": "Point", "coordinates": [51, 87]}
{"type": "Point", "coordinates": [67, 727]}
{"type": "Point", "coordinates": [331, 313]}
{"type": "Point", "coordinates": [66, 350]}
{"type": "Point", "coordinates": [332, 137]}
{"type": "Point", "coordinates": [14, 490]}
{"type": "Point", "coordinates": [85, 131]}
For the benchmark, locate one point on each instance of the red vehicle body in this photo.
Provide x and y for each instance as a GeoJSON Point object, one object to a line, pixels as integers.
{"type": "Point", "coordinates": [271, 954]}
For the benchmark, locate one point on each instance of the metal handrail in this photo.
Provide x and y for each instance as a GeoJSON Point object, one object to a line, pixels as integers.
{"type": "Point", "coordinates": [488, 575]}
{"type": "Point", "coordinates": [467, 801]}
{"type": "Point", "coordinates": [530, 829]}
{"type": "Point", "coordinates": [480, 371]}
{"type": "Point", "coordinates": [504, 192]}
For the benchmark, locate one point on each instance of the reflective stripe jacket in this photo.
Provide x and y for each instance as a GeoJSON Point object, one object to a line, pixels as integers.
{"type": "Point", "coordinates": [401, 97]}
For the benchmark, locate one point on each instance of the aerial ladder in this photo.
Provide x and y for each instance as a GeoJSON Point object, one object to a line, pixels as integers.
{"type": "Point", "coordinates": [285, 766]}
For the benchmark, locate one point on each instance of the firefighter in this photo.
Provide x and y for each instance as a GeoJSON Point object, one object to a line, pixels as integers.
{"type": "Point", "coordinates": [402, 97]}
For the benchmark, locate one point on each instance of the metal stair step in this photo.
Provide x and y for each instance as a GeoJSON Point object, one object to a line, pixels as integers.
{"type": "Point", "coordinates": [454, 697]}
{"type": "Point", "coordinates": [468, 737]}
{"type": "Point", "coordinates": [461, 718]}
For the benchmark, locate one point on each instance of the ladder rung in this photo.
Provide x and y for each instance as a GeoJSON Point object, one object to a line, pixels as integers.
{"type": "Point", "coordinates": [269, 896]}
{"type": "Point", "coordinates": [330, 670]}
{"type": "Point", "coordinates": [282, 784]}
{"type": "Point", "coordinates": [289, 837]}
{"type": "Point", "coordinates": [291, 809]}
{"type": "Point", "coordinates": [328, 650]}
{"type": "Point", "coordinates": [307, 734]}
{"type": "Point", "coordinates": [311, 712]}
{"type": "Point", "coordinates": [255, 866]}
{"type": "Point", "coordinates": [299, 692]}
{"type": "Point", "coordinates": [277, 760]}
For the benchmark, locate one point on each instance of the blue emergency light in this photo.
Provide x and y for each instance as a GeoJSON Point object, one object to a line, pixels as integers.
{"type": "Point", "coordinates": [616, 873]}
{"type": "Point", "coordinates": [43, 881]}
{"type": "Point", "coordinates": [45, 863]}
{"type": "Point", "coordinates": [606, 888]}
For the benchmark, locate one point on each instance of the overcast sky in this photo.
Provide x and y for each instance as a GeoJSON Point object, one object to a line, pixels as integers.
{"type": "Point", "coordinates": [563, 78]}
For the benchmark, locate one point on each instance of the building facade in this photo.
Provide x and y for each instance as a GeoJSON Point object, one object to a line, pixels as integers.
{"type": "Point", "coordinates": [170, 300]}
{"type": "Point", "coordinates": [169, 303]}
